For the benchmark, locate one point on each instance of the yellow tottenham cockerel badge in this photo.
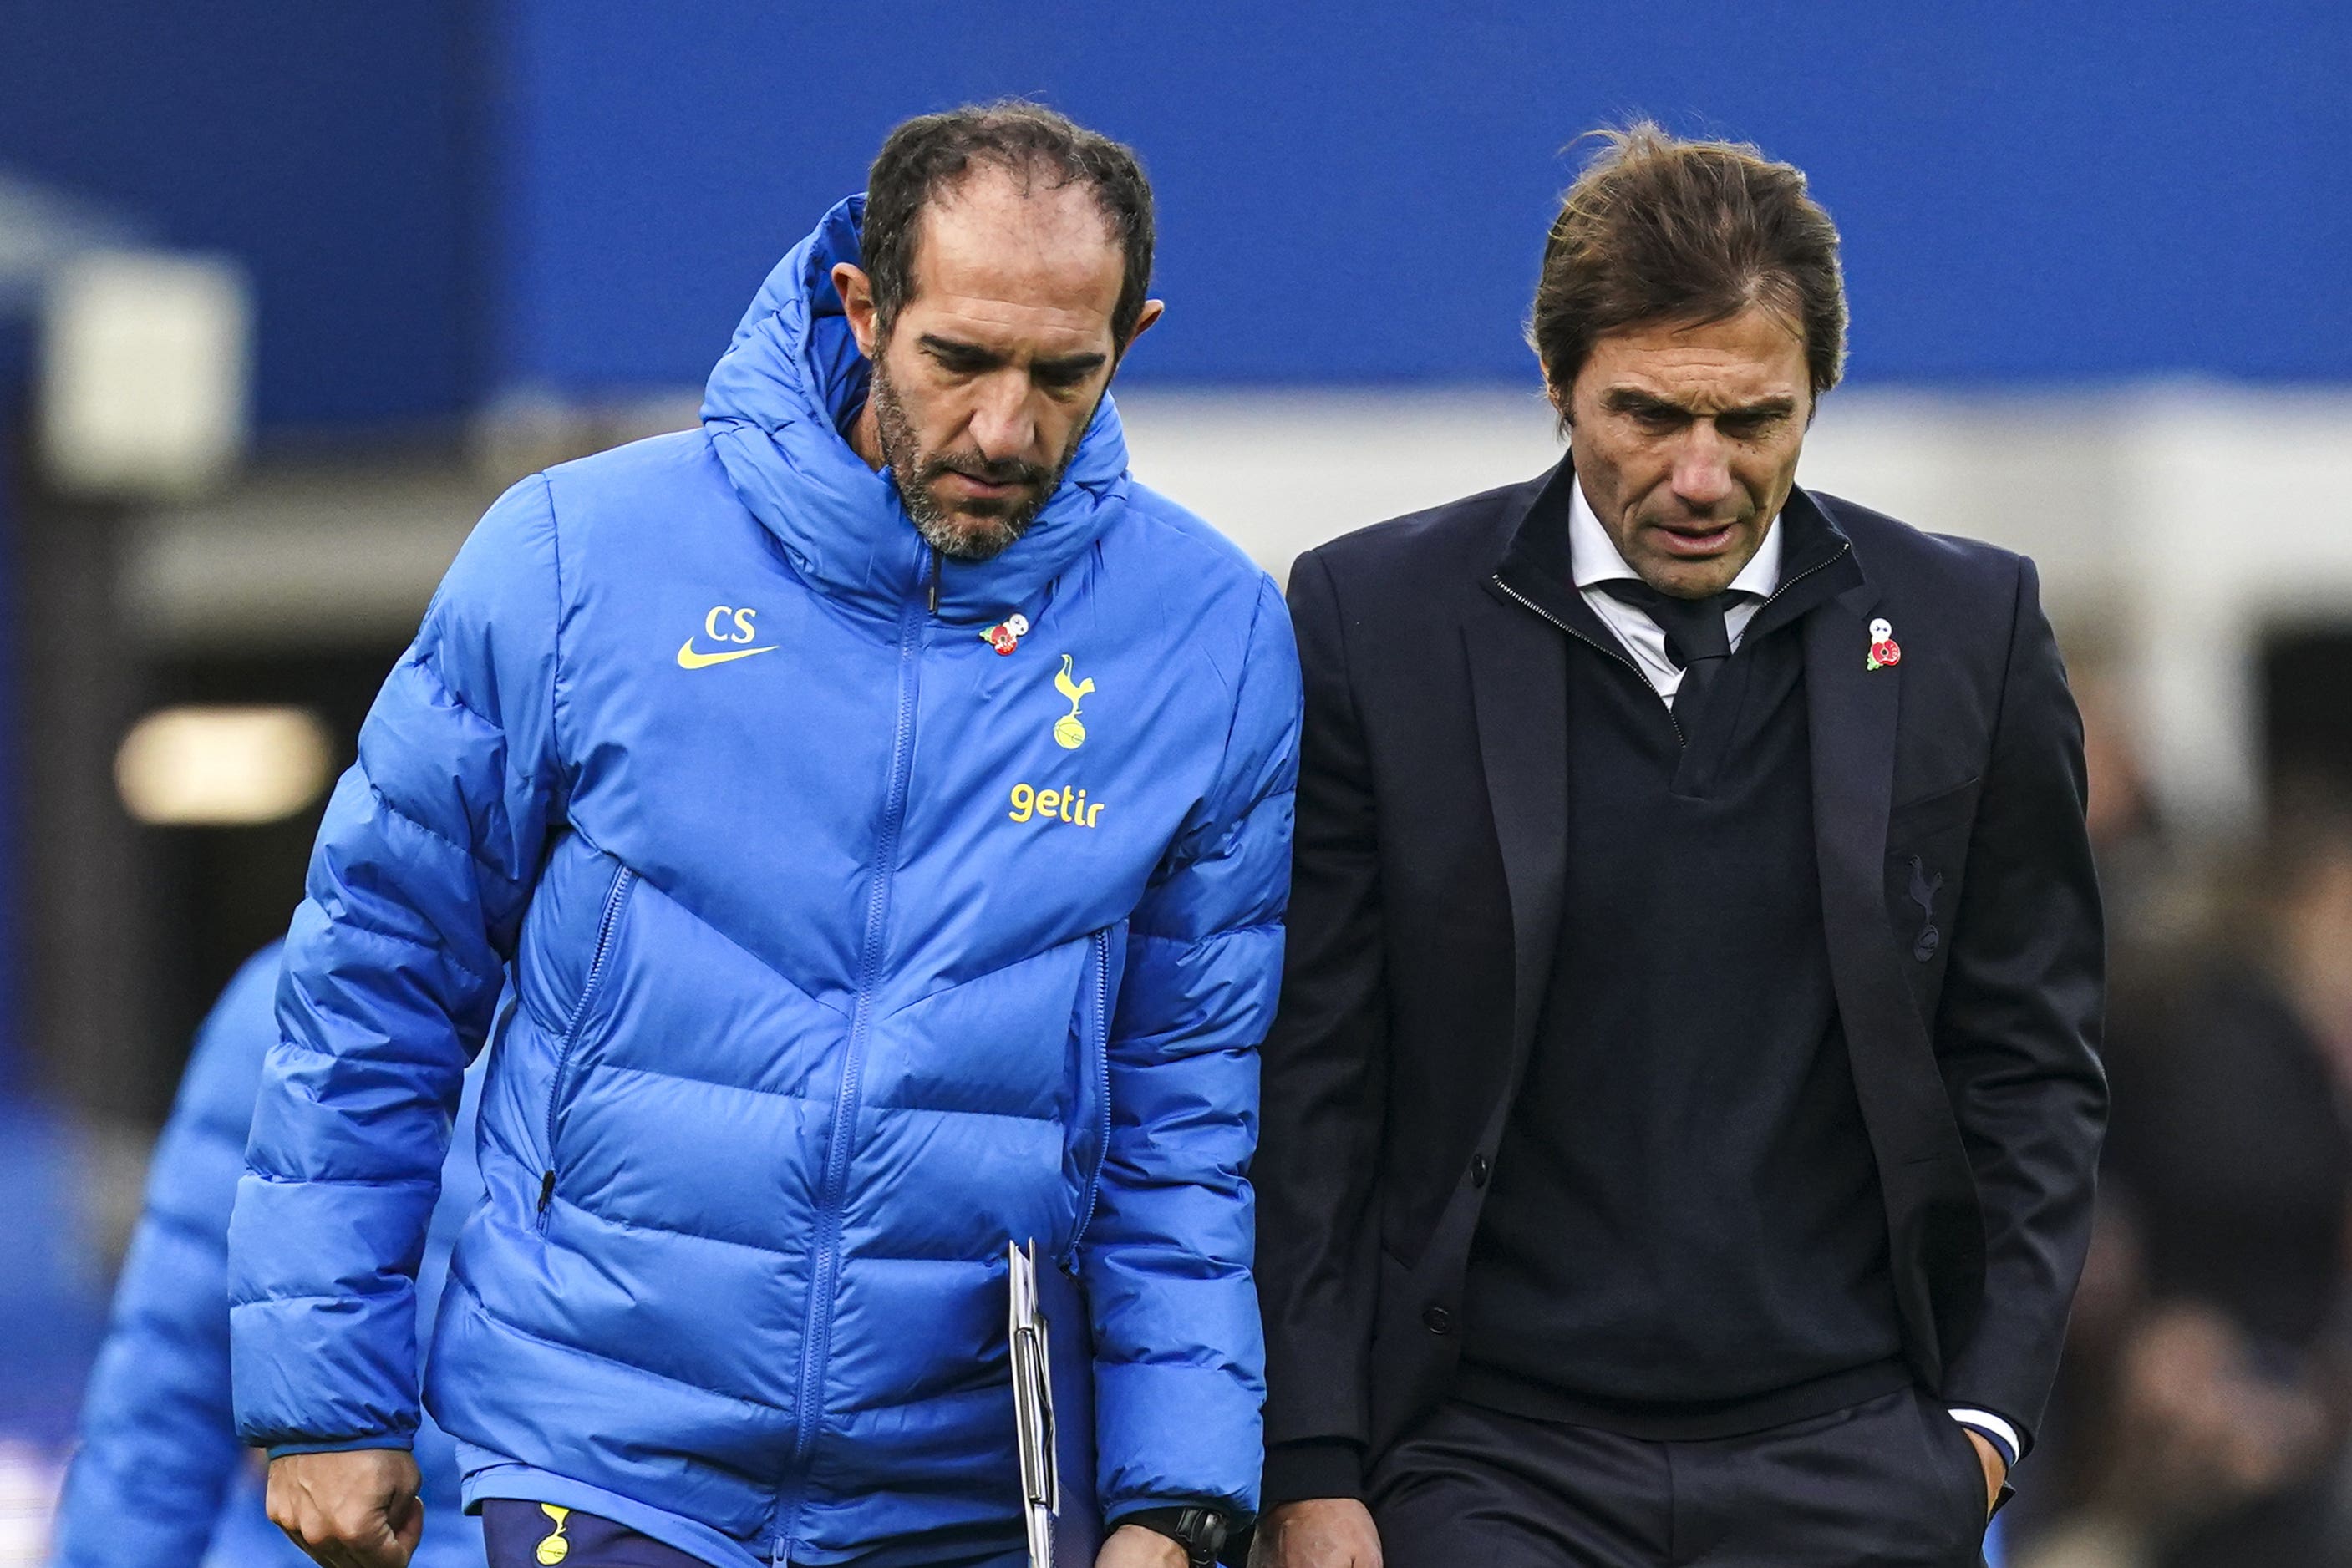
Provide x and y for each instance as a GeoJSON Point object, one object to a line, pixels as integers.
{"type": "Point", "coordinates": [1068, 730]}
{"type": "Point", "coordinates": [555, 1547]}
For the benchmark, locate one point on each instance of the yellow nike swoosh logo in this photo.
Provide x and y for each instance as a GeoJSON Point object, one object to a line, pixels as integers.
{"type": "Point", "coordinates": [688, 659]}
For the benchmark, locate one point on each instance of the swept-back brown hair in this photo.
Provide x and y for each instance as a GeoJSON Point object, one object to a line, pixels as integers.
{"type": "Point", "coordinates": [1656, 229]}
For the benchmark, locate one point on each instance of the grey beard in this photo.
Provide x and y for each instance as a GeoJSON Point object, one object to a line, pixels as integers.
{"type": "Point", "coordinates": [963, 536]}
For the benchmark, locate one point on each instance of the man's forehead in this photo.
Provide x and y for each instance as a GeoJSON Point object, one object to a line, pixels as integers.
{"type": "Point", "coordinates": [1745, 358]}
{"type": "Point", "coordinates": [992, 248]}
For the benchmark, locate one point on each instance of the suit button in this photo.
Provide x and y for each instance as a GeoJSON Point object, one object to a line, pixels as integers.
{"type": "Point", "coordinates": [1479, 1171]}
{"type": "Point", "coordinates": [1437, 1320]}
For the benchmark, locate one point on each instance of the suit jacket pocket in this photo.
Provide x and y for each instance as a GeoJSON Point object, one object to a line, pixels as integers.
{"type": "Point", "coordinates": [1937, 811]}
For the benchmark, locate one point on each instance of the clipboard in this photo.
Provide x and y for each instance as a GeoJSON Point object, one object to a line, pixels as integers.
{"type": "Point", "coordinates": [1052, 1343]}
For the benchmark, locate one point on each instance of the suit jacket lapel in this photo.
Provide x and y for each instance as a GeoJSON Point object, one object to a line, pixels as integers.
{"type": "Point", "coordinates": [1853, 712]}
{"type": "Point", "coordinates": [1517, 648]}
{"type": "Point", "coordinates": [1518, 661]}
{"type": "Point", "coordinates": [1519, 685]}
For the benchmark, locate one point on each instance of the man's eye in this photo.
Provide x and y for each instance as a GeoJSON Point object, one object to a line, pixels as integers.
{"type": "Point", "coordinates": [957, 364]}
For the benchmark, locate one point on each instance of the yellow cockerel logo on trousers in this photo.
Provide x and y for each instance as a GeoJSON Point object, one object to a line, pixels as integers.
{"type": "Point", "coordinates": [1068, 729]}
{"type": "Point", "coordinates": [556, 1547]}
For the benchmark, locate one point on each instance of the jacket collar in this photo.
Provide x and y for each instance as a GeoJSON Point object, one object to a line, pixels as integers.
{"type": "Point", "coordinates": [1539, 564]}
{"type": "Point", "coordinates": [777, 406]}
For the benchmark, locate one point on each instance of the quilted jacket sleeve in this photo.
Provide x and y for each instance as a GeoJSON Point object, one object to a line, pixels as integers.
{"type": "Point", "coordinates": [158, 1447]}
{"type": "Point", "coordinates": [1179, 1359]}
{"type": "Point", "coordinates": [393, 969]}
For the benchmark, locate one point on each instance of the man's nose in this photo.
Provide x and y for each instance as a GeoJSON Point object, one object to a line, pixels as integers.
{"type": "Point", "coordinates": [1703, 467]}
{"type": "Point", "coordinates": [1003, 425]}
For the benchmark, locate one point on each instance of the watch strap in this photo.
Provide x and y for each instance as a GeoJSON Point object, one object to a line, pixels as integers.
{"type": "Point", "coordinates": [1201, 1531]}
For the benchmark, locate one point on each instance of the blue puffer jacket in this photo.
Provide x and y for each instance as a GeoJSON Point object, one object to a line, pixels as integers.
{"type": "Point", "coordinates": [836, 970]}
{"type": "Point", "coordinates": [160, 1480]}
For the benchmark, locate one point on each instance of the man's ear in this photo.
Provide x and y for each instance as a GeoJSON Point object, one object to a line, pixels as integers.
{"type": "Point", "coordinates": [1563, 407]}
{"type": "Point", "coordinates": [857, 291]}
{"type": "Point", "coordinates": [1153, 310]}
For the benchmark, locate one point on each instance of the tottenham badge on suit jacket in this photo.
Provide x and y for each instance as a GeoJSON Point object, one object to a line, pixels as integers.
{"type": "Point", "coordinates": [1425, 906]}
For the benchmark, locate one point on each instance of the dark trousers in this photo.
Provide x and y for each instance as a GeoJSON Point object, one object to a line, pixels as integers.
{"type": "Point", "coordinates": [1893, 1482]}
{"type": "Point", "coordinates": [532, 1535]}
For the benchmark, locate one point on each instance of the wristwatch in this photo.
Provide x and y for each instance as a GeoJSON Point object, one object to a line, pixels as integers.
{"type": "Point", "coordinates": [1201, 1531]}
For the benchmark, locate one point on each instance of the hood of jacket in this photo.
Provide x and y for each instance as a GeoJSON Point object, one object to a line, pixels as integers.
{"type": "Point", "coordinates": [776, 407]}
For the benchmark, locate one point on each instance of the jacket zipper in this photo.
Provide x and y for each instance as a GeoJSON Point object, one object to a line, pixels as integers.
{"type": "Point", "coordinates": [1624, 658]}
{"type": "Point", "coordinates": [1823, 565]}
{"type": "Point", "coordinates": [1617, 654]}
{"type": "Point", "coordinates": [1101, 1040]}
{"type": "Point", "coordinates": [817, 1336]}
{"type": "Point", "coordinates": [623, 880]}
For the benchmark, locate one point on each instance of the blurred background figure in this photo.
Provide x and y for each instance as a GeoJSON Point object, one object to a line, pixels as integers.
{"type": "Point", "coordinates": [2210, 1393]}
{"type": "Point", "coordinates": [160, 1477]}
{"type": "Point", "coordinates": [288, 294]}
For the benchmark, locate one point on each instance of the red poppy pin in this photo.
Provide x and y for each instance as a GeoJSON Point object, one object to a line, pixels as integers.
{"type": "Point", "coordinates": [1885, 652]}
{"type": "Point", "coordinates": [1007, 634]}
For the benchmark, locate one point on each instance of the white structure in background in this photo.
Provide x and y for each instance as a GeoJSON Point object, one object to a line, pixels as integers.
{"type": "Point", "coordinates": [145, 368]}
{"type": "Point", "coordinates": [2176, 526]}
{"type": "Point", "coordinates": [2183, 523]}
{"type": "Point", "coordinates": [141, 395]}
{"type": "Point", "coordinates": [29, 1480]}
{"type": "Point", "coordinates": [143, 383]}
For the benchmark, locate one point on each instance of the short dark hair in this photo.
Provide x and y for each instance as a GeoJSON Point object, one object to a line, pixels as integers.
{"type": "Point", "coordinates": [1656, 229]}
{"type": "Point", "coordinates": [932, 153]}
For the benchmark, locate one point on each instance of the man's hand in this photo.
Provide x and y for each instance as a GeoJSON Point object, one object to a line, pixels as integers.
{"type": "Point", "coordinates": [1132, 1546]}
{"type": "Point", "coordinates": [1318, 1532]}
{"type": "Point", "coordinates": [1996, 1469]}
{"type": "Point", "coordinates": [358, 1509]}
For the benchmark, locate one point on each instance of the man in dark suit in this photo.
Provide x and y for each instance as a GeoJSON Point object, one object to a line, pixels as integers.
{"type": "Point", "coordinates": [1680, 1122]}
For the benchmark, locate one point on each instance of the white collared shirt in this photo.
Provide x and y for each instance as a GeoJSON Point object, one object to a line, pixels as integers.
{"type": "Point", "coordinates": [1595, 558]}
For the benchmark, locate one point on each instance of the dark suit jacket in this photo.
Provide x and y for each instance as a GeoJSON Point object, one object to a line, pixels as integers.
{"type": "Point", "coordinates": [1424, 919]}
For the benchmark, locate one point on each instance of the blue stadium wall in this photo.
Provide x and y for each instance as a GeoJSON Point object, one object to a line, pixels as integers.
{"type": "Point", "coordinates": [334, 148]}
{"type": "Point", "coordinates": [446, 198]}
{"type": "Point", "coordinates": [1356, 192]}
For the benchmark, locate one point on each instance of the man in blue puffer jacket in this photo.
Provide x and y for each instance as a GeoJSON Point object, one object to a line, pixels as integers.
{"type": "Point", "coordinates": [953, 923]}
{"type": "Point", "coordinates": [160, 1479]}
